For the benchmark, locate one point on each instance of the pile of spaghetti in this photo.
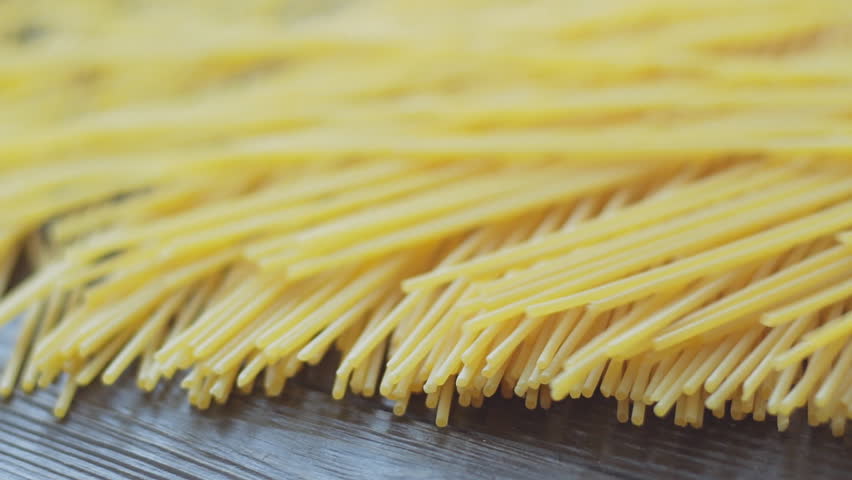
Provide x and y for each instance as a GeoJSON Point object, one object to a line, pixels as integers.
{"type": "Point", "coordinates": [649, 201]}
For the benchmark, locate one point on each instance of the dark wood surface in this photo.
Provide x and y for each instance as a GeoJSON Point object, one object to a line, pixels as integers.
{"type": "Point", "coordinates": [119, 432]}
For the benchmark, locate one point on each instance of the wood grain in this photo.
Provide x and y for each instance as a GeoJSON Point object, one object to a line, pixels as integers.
{"type": "Point", "coordinates": [119, 432]}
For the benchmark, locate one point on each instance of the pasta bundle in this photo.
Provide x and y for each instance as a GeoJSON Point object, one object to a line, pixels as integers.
{"type": "Point", "coordinates": [647, 200]}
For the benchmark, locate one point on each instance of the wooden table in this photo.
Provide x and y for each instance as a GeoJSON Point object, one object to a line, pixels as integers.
{"type": "Point", "coordinates": [119, 432]}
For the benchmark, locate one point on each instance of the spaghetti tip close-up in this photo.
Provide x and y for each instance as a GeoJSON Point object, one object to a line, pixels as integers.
{"type": "Point", "coordinates": [644, 203]}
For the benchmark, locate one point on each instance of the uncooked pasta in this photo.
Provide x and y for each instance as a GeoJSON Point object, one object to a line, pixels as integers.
{"type": "Point", "coordinates": [646, 202]}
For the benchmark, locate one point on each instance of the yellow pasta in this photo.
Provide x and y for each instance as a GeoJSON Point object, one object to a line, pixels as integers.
{"type": "Point", "coordinates": [837, 328]}
{"type": "Point", "coordinates": [810, 304]}
{"type": "Point", "coordinates": [668, 229]}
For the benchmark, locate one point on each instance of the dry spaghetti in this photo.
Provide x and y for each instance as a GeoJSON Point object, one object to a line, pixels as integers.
{"type": "Point", "coordinates": [642, 200]}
